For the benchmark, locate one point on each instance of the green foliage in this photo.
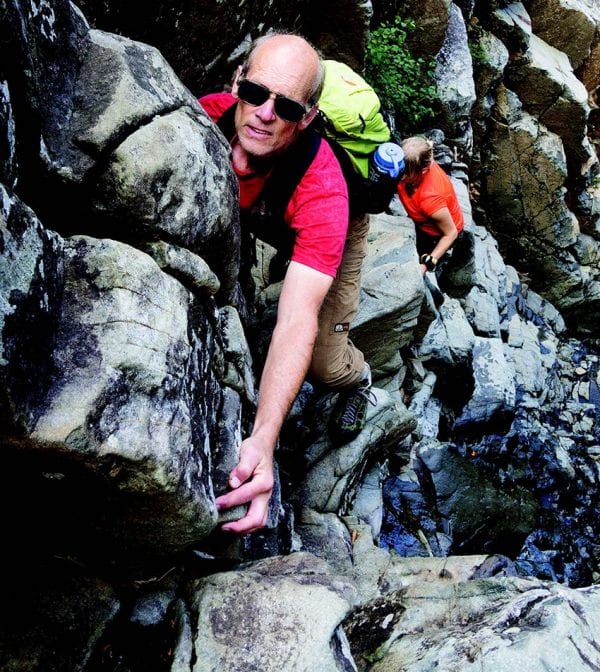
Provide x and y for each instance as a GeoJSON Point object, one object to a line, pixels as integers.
{"type": "Point", "coordinates": [404, 83]}
{"type": "Point", "coordinates": [478, 53]}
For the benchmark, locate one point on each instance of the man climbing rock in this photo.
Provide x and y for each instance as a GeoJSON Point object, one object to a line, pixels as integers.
{"type": "Point", "coordinates": [273, 102]}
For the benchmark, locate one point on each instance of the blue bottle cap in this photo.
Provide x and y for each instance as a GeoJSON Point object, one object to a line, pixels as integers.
{"type": "Point", "coordinates": [390, 158]}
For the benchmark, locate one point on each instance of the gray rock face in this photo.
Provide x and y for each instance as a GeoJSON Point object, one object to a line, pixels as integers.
{"type": "Point", "coordinates": [391, 293]}
{"type": "Point", "coordinates": [122, 140]}
{"type": "Point", "coordinates": [518, 138]}
{"type": "Point", "coordinates": [153, 180]}
{"type": "Point", "coordinates": [153, 154]}
{"type": "Point", "coordinates": [554, 94]}
{"type": "Point", "coordinates": [292, 606]}
{"type": "Point", "coordinates": [454, 79]}
{"type": "Point", "coordinates": [590, 69]}
{"type": "Point", "coordinates": [123, 400]}
{"type": "Point", "coordinates": [450, 338]}
{"type": "Point", "coordinates": [548, 89]}
{"type": "Point", "coordinates": [568, 26]}
{"type": "Point", "coordinates": [492, 623]}
{"type": "Point", "coordinates": [128, 372]}
{"type": "Point", "coordinates": [107, 370]}
{"type": "Point", "coordinates": [31, 280]}
{"type": "Point", "coordinates": [120, 87]}
{"type": "Point", "coordinates": [471, 604]}
{"type": "Point", "coordinates": [494, 393]}
{"type": "Point", "coordinates": [8, 167]}
{"type": "Point", "coordinates": [478, 511]}
{"type": "Point", "coordinates": [531, 209]}
{"type": "Point", "coordinates": [488, 72]}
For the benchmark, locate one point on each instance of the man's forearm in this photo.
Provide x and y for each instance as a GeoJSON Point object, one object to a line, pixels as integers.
{"type": "Point", "coordinates": [286, 365]}
{"type": "Point", "coordinates": [287, 361]}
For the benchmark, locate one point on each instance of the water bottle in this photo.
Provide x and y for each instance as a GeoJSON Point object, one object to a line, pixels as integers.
{"type": "Point", "coordinates": [386, 162]}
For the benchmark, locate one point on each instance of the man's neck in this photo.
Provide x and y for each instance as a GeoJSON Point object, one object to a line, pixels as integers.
{"type": "Point", "coordinates": [247, 164]}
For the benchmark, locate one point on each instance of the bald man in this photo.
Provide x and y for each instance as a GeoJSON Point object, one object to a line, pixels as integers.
{"type": "Point", "coordinates": [272, 104]}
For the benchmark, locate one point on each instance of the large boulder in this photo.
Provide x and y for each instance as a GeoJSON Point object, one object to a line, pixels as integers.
{"type": "Point", "coordinates": [119, 138]}
{"type": "Point", "coordinates": [526, 171]}
{"type": "Point", "coordinates": [114, 360]}
{"type": "Point", "coordinates": [568, 25]}
{"type": "Point", "coordinates": [292, 605]}
{"type": "Point", "coordinates": [147, 156]}
{"type": "Point", "coordinates": [544, 81]}
{"type": "Point", "coordinates": [490, 623]}
{"type": "Point", "coordinates": [125, 405]}
{"type": "Point", "coordinates": [391, 293]}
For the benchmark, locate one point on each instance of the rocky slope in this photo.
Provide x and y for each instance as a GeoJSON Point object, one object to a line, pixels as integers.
{"type": "Point", "coordinates": [459, 530]}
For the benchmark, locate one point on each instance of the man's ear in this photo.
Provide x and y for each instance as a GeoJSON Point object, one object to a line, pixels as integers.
{"type": "Point", "coordinates": [305, 121]}
{"type": "Point", "coordinates": [234, 84]}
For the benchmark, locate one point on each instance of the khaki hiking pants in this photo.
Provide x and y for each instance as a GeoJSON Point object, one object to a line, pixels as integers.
{"type": "Point", "coordinates": [336, 362]}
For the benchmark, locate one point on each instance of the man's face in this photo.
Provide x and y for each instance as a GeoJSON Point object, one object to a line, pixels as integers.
{"type": "Point", "coordinates": [261, 132]}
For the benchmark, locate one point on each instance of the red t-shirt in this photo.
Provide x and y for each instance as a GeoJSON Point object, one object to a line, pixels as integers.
{"type": "Point", "coordinates": [318, 209]}
{"type": "Point", "coordinates": [434, 192]}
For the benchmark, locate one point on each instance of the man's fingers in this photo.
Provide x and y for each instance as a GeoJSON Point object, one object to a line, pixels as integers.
{"type": "Point", "coordinates": [244, 469]}
{"type": "Point", "coordinates": [251, 480]}
{"type": "Point", "coordinates": [240, 474]}
{"type": "Point", "coordinates": [254, 520]}
{"type": "Point", "coordinates": [245, 493]}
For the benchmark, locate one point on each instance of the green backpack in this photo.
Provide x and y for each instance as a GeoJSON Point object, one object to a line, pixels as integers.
{"type": "Point", "coordinates": [352, 117]}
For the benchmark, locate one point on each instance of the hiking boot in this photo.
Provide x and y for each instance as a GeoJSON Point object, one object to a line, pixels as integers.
{"type": "Point", "coordinates": [349, 415]}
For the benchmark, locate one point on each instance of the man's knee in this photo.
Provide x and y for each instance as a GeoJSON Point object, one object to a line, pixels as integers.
{"type": "Point", "coordinates": [324, 373]}
{"type": "Point", "coordinates": [336, 371]}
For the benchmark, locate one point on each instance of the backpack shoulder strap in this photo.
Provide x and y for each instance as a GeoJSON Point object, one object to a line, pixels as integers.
{"type": "Point", "coordinates": [354, 180]}
{"type": "Point", "coordinates": [226, 122]}
{"type": "Point", "coordinates": [289, 171]}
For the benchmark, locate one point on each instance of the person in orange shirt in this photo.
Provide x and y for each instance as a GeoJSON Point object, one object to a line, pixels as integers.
{"type": "Point", "coordinates": [430, 201]}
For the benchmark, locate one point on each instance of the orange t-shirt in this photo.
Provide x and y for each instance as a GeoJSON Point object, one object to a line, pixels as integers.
{"type": "Point", "coordinates": [434, 192]}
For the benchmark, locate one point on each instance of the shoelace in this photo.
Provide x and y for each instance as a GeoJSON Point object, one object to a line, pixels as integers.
{"type": "Point", "coordinates": [349, 414]}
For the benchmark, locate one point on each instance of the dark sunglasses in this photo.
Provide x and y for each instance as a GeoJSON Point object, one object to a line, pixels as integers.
{"type": "Point", "coordinates": [257, 94]}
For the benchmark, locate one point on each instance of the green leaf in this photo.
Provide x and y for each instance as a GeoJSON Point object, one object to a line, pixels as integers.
{"type": "Point", "coordinates": [403, 82]}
